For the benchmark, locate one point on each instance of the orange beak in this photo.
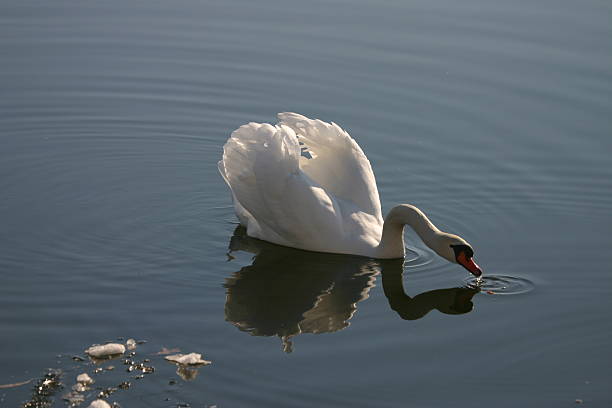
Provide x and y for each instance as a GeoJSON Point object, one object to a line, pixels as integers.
{"type": "Point", "coordinates": [469, 264]}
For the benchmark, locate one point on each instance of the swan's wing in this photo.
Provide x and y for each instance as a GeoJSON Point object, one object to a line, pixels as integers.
{"type": "Point", "coordinates": [274, 199]}
{"type": "Point", "coordinates": [335, 161]}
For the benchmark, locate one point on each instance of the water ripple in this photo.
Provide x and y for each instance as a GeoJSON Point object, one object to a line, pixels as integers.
{"type": "Point", "coordinates": [501, 284]}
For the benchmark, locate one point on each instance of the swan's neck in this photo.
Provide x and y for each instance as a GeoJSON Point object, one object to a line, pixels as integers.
{"type": "Point", "coordinates": [392, 241]}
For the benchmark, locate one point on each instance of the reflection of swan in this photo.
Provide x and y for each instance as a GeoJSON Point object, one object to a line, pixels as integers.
{"type": "Point", "coordinates": [307, 184]}
{"type": "Point", "coordinates": [449, 301]}
{"type": "Point", "coordinates": [286, 291]}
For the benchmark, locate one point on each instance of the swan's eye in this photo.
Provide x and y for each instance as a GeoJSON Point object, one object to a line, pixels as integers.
{"type": "Point", "coordinates": [469, 252]}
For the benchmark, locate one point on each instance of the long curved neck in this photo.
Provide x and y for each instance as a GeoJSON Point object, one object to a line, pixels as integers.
{"type": "Point", "coordinates": [392, 241]}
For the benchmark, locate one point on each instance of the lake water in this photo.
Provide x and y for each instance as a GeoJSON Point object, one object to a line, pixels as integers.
{"type": "Point", "coordinates": [494, 117]}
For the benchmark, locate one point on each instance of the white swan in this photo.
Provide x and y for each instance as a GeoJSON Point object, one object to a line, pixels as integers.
{"type": "Point", "coordinates": [307, 184]}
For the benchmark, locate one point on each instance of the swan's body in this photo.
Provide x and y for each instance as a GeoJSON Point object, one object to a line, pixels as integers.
{"type": "Point", "coordinates": [307, 184]}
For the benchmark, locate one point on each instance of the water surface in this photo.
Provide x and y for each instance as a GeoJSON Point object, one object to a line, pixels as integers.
{"type": "Point", "coordinates": [493, 117]}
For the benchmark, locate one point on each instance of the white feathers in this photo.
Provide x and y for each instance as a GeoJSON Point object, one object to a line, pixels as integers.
{"type": "Point", "coordinates": [325, 199]}
{"type": "Point", "coordinates": [338, 164]}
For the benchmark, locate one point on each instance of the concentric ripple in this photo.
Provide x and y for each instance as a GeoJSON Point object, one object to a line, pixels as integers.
{"type": "Point", "coordinates": [416, 257]}
{"type": "Point", "coordinates": [501, 284]}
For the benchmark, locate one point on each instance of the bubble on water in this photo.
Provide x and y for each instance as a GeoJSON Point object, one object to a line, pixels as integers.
{"type": "Point", "coordinates": [500, 284]}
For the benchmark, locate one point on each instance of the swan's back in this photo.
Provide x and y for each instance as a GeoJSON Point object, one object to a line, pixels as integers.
{"type": "Point", "coordinates": [304, 184]}
{"type": "Point", "coordinates": [338, 164]}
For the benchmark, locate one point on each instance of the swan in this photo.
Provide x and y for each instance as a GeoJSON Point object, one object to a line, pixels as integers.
{"type": "Point", "coordinates": [306, 184]}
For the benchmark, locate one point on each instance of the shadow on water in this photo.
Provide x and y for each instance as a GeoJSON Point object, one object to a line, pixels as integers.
{"type": "Point", "coordinates": [286, 291]}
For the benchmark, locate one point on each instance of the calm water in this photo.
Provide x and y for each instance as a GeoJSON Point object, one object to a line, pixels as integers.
{"type": "Point", "coordinates": [494, 117]}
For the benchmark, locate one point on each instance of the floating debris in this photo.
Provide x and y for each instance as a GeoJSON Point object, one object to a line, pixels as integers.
{"type": "Point", "coordinates": [17, 384]}
{"type": "Point", "coordinates": [167, 351]}
{"type": "Point", "coordinates": [84, 379]}
{"type": "Point", "coordinates": [124, 385]}
{"type": "Point", "coordinates": [78, 387]}
{"type": "Point", "coordinates": [45, 388]}
{"type": "Point", "coordinates": [74, 398]}
{"type": "Point", "coordinates": [106, 392]}
{"type": "Point", "coordinates": [187, 364]}
{"type": "Point", "coordinates": [106, 351]}
{"type": "Point", "coordinates": [133, 365]}
{"type": "Point", "coordinates": [579, 401]}
{"type": "Point", "coordinates": [99, 403]}
{"type": "Point", "coordinates": [80, 392]}
{"type": "Point", "coordinates": [192, 359]}
{"type": "Point", "coordinates": [131, 344]}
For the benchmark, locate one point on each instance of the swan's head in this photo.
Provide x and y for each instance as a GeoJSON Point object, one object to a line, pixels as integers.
{"type": "Point", "coordinates": [456, 250]}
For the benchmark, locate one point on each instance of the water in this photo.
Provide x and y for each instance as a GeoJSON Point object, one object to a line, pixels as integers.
{"type": "Point", "coordinates": [501, 285]}
{"type": "Point", "coordinates": [493, 117]}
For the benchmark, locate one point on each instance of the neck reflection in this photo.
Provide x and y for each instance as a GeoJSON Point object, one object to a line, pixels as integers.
{"type": "Point", "coordinates": [447, 301]}
{"type": "Point", "coordinates": [285, 291]}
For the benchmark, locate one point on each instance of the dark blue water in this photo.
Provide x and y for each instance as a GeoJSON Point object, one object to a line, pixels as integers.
{"type": "Point", "coordinates": [495, 118]}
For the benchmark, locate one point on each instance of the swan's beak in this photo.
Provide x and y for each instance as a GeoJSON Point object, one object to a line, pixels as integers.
{"type": "Point", "coordinates": [469, 264]}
